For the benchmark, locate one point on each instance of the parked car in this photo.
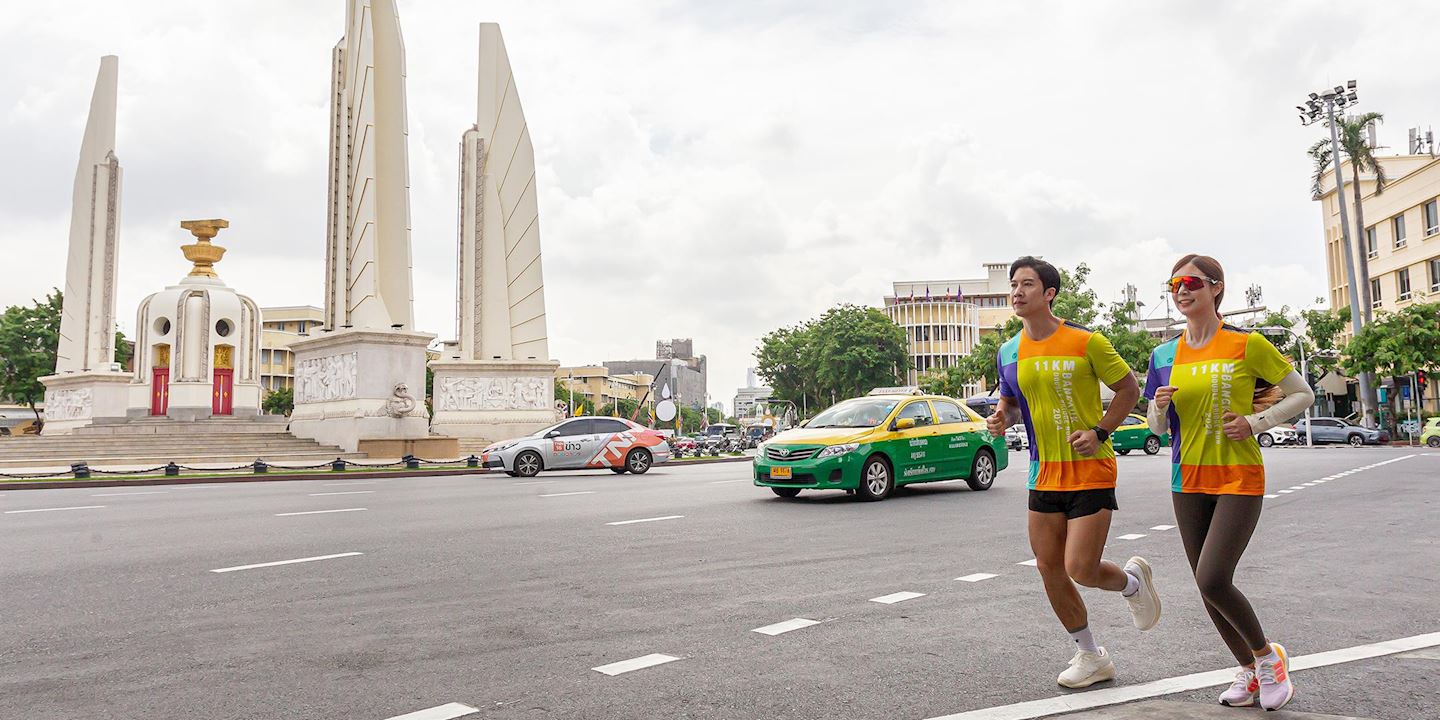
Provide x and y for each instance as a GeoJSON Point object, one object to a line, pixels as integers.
{"type": "Point", "coordinates": [870, 445]}
{"type": "Point", "coordinates": [1134, 434]}
{"type": "Point", "coordinates": [1016, 438]}
{"type": "Point", "coordinates": [578, 443]}
{"type": "Point", "coordinates": [1280, 435]}
{"type": "Point", "coordinates": [1337, 430]}
{"type": "Point", "coordinates": [1430, 434]}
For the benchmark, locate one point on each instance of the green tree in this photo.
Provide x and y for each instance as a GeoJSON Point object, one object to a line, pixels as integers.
{"type": "Point", "coordinates": [1323, 329]}
{"type": "Point", "coordinates": [626, 408]}
{"type": "Point", "coordinates": [1075, 301]}
{"type": "Point", "coordinates": [1131, 342]}
{"type": "Point", "coordinates": [786, 360]}
{"type": "Point", "coordinates": [29, 338]}
{"type": "Point", "coordinates": [1396, 343]}
{"type": "Point", "coordinates": [1356, 146]}
{"type": "Point", "coordinates": [858, 348]}
{"type": "Point", "coordinates": [279, 402]}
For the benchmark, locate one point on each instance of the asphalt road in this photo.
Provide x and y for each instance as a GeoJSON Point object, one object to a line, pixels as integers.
{"type": "Point", "coordinates": [503, 594]}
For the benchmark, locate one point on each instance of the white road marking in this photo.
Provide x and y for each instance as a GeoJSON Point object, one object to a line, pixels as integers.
{"type": "Point", "coordinates": [640, 663]}
{"type": "Point", "coordinates": [641, 520]}
{"type": "Point", "coordinates": [893, 598]}
{"type": "Point", "coordinates": [977, 577]}
{"type": "Point", "coordinates": [1297, 487]}
{"type": "Point", "coordinates": [195, 487]}
{"type": "Point", "coordinates": [1183, 683]}
{"type": "Point", "coordinates": [535, 482]}
{"type": "Point", "coordinates": [352, 482]}
{"type": "Point", "coordinates": [320, 512]}
{"type": "Point", "coordinates": [285, 562]}
{"type": "Point", "coordinates": [439, 712]}
{"type": "Point", "coordinates": [1163, 527]}
{"type": "Point", "coordinates": [345, 492]}
{"type": "Point", "coordinates": [77, 507]}
{"type": "Point", "coordinates": [1309, 484]}
{"type": "Point", "coordinates": [143, 492]}
{"type": "Point", "coordinates": [1285, 492]}
{"type": "Point", "coordinates": [1131, 536]}
{"type": "Point", "coordinates": [1032, 562]}
{"type": "Point", "coordinates": [1271, 497]}
{"type": "Point", "coordinates": [784, 627]}
{"type": "Point", "coordinates": [582, 492]}
{"type": "Point", "coordinates": [1321, 482]}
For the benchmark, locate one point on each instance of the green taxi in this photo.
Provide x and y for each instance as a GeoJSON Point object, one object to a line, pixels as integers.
{"type": "Point", "coordinates": [1430, 434]}
{"type": "Point", "coordinates": [1134, 434]}
{"type": "Point", "coordinates": [870, 445]}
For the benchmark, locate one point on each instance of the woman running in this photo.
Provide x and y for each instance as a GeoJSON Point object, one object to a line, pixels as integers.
{"type": "Point", "coordinates": [1210, 388]}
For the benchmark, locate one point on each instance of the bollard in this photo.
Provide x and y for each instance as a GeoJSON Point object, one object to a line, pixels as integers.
{"type": "Point", "coordinates": [472, 461]}
{"type": "Point", "coordinates": [172, 470]}
{"type": "Point", "coordinates": [338, 465]}
{"type": "Point", "coordinates": [411, 462]}
{"type": "Point", "coordinates": [80, 469]}
{"type": "Point", "coordinates": [261, 467]}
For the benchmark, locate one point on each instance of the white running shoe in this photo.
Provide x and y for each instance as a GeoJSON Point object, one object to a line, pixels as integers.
{"type": "Point", "coordinates": [1244, 692]}
{"type": "Point", "coordinates": [1086, 669]}
{"type": "Point", "coordinates": [1276, 688]}
{"type": "Point", "coordinates": [1145, 603]}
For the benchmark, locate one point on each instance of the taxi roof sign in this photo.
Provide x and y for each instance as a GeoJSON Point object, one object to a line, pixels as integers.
{"type": "Point", "coordinates": [902, 390]}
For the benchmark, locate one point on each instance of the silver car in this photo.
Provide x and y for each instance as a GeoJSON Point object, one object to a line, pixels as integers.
{"type": "Point", "coordinates": [580, 443]}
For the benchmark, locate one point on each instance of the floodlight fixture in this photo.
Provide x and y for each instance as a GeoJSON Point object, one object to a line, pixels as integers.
{"type": "Point", "coordinates": [1350, 84]}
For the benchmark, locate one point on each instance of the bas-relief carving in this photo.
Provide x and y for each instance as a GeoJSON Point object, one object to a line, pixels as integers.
{"type": "Point", "coordinates": [326, 378]}
{"type": "Point", "coordinates": [77, 404]}
{"type": "Point", "coordinates": [502, 393]}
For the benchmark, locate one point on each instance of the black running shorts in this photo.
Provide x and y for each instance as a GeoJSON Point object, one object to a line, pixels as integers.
{"type": "Point", "coordinates": [1074, 503]}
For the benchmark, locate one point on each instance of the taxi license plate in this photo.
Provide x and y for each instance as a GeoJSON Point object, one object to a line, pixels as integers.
{"type": "Point", "coordinates": [780, 473]}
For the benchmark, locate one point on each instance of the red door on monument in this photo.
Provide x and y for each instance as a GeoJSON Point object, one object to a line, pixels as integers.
{"type": "Point", "coordinates": [222, 401]}
{"type": "Point", "coordinates": [160, 391]}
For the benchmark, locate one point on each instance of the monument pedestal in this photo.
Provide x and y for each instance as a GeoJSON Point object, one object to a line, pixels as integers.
{"type": "Point", "coordinates": [493, 399]}
{"type": "Point", "coordinates": [74, 400]}
{"type": "Point", "coordinates": [353, 385]}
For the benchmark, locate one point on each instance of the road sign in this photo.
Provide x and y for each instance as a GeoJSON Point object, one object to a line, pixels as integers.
{"type": "Point", "coordinates": [665, 410]}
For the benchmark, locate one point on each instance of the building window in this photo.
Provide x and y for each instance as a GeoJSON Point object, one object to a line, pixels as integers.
{"type": "Point", "coordinates": [1397, 223]}
{"type": "Point", "coordinates": [1435, 275]}
{"type": "Point", "coordinates": [1404, 278]}
{"type": "Point", "coordinates": [1432, 218]}
{"type": "Point", "coordinates": [264, 357]}
{"type": "Point", "coordinates": [1375, 292]}
{"type": "Point", "coordinates": [1371, 248]}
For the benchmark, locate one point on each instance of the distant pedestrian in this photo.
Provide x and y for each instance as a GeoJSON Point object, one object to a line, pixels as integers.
{"type": "Point", "coordinates": [1213, 388]}
{"type": "Point", "coordinates": [1050, 375]}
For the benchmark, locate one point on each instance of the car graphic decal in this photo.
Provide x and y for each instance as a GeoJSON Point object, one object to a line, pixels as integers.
{"type": "Point", "coordinates": [616, 447]}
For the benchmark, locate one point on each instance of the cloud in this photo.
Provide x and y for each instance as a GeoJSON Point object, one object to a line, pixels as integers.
{"type": "Point", "coordinates": [719, 170]}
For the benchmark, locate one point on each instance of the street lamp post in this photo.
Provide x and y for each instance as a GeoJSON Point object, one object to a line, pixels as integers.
{"type": "Point", "coordinates": [1320, 105]}
{"type": "Point", "coordinates": [1304, 372]}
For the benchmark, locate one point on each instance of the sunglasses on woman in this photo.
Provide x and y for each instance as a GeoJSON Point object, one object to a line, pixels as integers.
{"type": "Point", "coordinates": [1189, 282]}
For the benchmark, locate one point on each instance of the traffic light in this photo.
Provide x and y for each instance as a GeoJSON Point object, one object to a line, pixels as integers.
{"type": "Point", "coordinates": [1420, 378]}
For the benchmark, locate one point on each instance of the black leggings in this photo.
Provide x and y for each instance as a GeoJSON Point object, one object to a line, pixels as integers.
{"type": "Point", "coordinates": [1216, 530]}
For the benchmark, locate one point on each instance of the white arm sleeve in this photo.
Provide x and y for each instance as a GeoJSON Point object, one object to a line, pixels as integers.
{"type": "Point", "coordinates": [1159, 421]}
{"type": "Point", "coordinates": [1298, 396]}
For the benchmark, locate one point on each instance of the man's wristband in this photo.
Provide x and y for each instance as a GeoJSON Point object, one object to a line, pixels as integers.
{"type": "Point", "coordinates": [1101, 434]}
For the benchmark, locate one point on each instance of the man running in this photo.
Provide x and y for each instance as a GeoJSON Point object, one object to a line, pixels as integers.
{"type": "Point", "coordinates": [1050, 375]}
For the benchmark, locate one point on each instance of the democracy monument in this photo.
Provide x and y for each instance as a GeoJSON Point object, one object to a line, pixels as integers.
{"type": "Point", "coordinates": [360, 378]}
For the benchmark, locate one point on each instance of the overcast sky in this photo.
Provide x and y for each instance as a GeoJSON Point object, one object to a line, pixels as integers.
{"type": "Point", "coordinates": [717, 170]}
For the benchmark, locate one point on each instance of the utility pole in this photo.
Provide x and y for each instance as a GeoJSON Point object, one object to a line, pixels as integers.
{"type": "Point", "coordinates": [1324, 104]}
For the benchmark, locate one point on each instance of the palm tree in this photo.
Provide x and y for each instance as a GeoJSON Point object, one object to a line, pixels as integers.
{"type": "Point", "coordinates": [1362, 159]}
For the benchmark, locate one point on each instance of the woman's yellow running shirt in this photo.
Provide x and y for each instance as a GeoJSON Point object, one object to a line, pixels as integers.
{"type": "Point", "coordinates": [1057, 383]}
{"type": "Point", "coordinates": [1211, 381]}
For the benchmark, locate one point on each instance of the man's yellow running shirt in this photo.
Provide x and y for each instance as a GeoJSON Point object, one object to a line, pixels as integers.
{"type": "Point", "coordinates": [1211, 381]}
{"type": "Point", "coordinates": [1057, 383]}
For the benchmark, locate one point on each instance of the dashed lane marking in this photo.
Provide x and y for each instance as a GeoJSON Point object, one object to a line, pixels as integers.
{"type": "Point", "coordinates": [640, 663]}
{"type": "Point", "coordinates": [1285, 492]}
{"type": "Point", "coordinates": [77, 507]}
{"type": "Point", "coordinates": [1297, 487]}
{"type": "Point", "coordinates": [439, 712]}
{"type": "Point", "coordinates": [1131, 536]}
{"type": "Point", "coordinates": [783, 627]}
{"type": "Point", "coordinates": [344, 492]}
{"type": "Point", "coordinates": [976, 577]}
{"type": "Point", "coordinates": [285, 562]}
{"type": "Point", "coordinates": [645, 520]}
{"type": "Point", "coordinates": [1271, 497]}
{"type": "Point", "coordinates": [143, 492]}
{"type": "Point", "coordinates": [535, 482]}
{"type": "Point", "coordinates": [1183, 683]}
{"type": "Point", "coordinates": [1163, 527]}
{"type": "Point", "coordinates": [1032, 562]}
{"type": "Point", "coordinates": [320, 512]}
{"type": "Point", "coordinates": [352, 482]}
{"type": "Point", "coordinates": [582, 492]}
{"type": "Point", "coordinates": [893, 598]}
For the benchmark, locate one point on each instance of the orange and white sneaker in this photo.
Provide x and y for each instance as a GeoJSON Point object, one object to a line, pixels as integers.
{"type": "Point", "coordinates": [1273, 671]}
{"type": "Point", "coordinates": [1244, 691]}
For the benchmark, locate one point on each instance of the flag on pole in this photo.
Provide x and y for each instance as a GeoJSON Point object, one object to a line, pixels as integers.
{"type": "Point", "coordinates": [927, 293]}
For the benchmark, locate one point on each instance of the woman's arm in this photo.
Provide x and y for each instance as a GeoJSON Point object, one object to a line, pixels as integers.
{"type": "Point", "coordinates": [1298, 396]}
